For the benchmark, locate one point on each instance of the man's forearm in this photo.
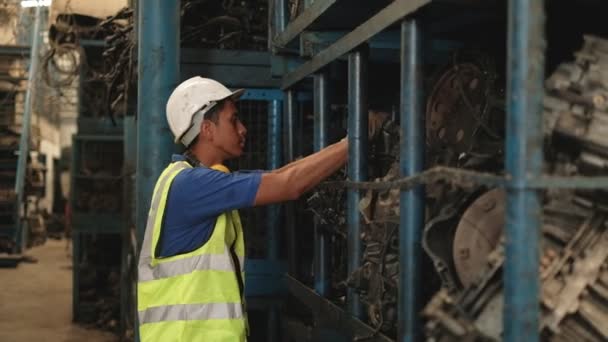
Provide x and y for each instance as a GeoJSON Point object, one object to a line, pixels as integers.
{"type": "Point", "coordinates": [307, 172]}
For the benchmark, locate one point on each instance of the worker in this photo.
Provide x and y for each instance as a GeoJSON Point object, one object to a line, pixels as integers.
{"type": "Point", "coordinates": [191, 265]}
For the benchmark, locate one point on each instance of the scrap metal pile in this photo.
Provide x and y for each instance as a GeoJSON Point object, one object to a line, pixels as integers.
{"type": "Point", "coordinates": [226, 24]}
{"type": "Point", "coordinates": [574, 262]}
{"type": "Point", "coordinates": [465, 126]}
{"type": "Point", "coordinates": [463, 233]}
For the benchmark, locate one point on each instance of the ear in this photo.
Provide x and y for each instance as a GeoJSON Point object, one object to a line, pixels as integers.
{"type": "Point", "coordinates": [207, 130]}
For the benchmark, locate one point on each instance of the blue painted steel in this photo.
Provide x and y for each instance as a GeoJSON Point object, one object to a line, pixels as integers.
{"type": "Point", "coordinates": [265, 277]}
{"type": "Point", "coordinates": [15, 50]}
{"type": "Point", "coordinates": [321, 122]}
{"type": "Point", "coordinates": [280, 16]}
{"type": "Point", "coordinates": [274, 161]}
{"type": "Point", "coordinates": [411, 163]}
{"type": "Point", "coordinates": [262, 94]}
{"type": "Point", "coordinates": [376, 24]}
{"type": "Point", "coordinates": [271, 94]}
{"type": "Point", "coordinates": [357, 161]}
{"type": "Point", "coordinates": [288, 143]}
{"type": "Point", "coordinates": [288, 33]}
{"type": "Point", "coordinates": [24, 139]}
{"type": "Point", "coordinates": [524, 161]}
{"type": "Point", "coordinates": [158, 69]}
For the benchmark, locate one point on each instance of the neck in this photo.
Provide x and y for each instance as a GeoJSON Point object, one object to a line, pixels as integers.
{"type": "Point", "coordinates": [207, 156]}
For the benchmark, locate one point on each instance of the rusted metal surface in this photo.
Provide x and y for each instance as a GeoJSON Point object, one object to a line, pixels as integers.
{"type": "Point", "coordinates": [478, 234]}
{"type": "Point", "coordinates": [573, 265]}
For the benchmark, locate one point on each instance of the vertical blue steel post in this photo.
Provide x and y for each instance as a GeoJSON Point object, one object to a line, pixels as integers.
{"type": "Point", "coordinates": [24, 139]}
{"type": "Point", "coordinates": [274, 161]}
{"type": "Point", "coordinates": [411, 163]}
{"type": "Point", "coordinates": [288, 133]}
{"type": "Point", "coordinates": [357, 161]}
{"type": "Point", "coordinates": [158, 70]}
{"type": "Point", "coordinates": [524, 161]}
{"type": "Point", "coordinates": [321, 118]}
{"type": "Point", "coordinates": [280, 16]}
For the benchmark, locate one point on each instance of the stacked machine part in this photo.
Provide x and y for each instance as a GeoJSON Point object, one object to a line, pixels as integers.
{"type": "Point", "coordinates": [574, 259]}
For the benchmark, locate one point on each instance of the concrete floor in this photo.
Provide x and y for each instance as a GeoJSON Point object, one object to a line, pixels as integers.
{"type": "Point", "coordinates": [36, 300]}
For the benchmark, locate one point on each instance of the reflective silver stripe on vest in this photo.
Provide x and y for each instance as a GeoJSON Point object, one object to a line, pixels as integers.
{"type": "Point", "coordinates": [147, 243]}
{"type": "Point", "coordinates": [215, 262]}
{"type": "Point", "coordinates": [191, 312]}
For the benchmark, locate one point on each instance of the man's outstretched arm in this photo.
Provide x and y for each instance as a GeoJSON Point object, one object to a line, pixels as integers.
{"type": "Point", "coordinates": [291, 181]}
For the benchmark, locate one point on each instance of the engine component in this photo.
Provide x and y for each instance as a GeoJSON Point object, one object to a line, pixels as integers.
{"type": "Point", "coordinates": [465, 112]}
{"type": "Point", "coordinates": [478, 234]}
{"type": "Point", "coordinates": [466, 124]}
{"type": "Point", "coordinates": [572, 281]}
{"type": "Point", "coordinates": [465, 127]}
{"type": "Point", "coordinates": [574, 263]}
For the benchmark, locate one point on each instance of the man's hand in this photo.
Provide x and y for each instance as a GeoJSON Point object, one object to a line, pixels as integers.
{"type": "Point", "coordinates": [376, 122]}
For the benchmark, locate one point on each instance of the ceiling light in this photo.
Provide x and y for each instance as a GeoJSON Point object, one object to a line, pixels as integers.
{"type": "Point", "coordinates": [36, 3]}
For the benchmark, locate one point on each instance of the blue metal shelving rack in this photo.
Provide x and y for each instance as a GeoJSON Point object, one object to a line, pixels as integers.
{"type": "Point", "coordinates": [158, 31]}
{"type": "Point", "coordinates": [90, 222]}
{"type": "Point", "coordinates": [524, 144]}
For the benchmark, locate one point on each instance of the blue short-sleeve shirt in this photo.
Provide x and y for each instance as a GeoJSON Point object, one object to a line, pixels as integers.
{"type": "Point", "coordinates": [196, 198]}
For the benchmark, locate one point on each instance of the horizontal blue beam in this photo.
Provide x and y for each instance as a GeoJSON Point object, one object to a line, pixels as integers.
{"type": "Point", "coordinates": [376, 24]}
{"type": "Point", "coordinates": [304, 20]}
{"type": "Point", "coordinates": [312, 42]}
{"type": "Point", "coordinates": [15, 50]}
{"type": "Point", "coordinates": [264, 94]}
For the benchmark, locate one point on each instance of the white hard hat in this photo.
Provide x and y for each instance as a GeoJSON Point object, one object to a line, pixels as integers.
{"type": "Point", "coordinates": [190, 101]}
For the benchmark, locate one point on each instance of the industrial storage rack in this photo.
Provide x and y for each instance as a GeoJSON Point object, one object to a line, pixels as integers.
{"type": "Point", "coordinates": [525, 64]}
{"type": "Point", "coordinates": [13, 227]}
{"type": "Point", "coordinates": [90, 218]}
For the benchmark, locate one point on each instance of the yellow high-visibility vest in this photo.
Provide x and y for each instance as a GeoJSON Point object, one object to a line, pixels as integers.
{"type": "Point", "coordinates": [197, 296]}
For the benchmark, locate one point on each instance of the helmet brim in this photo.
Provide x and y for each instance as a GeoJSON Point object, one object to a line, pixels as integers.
{"type": "Point", "coordinates": [236, 95]}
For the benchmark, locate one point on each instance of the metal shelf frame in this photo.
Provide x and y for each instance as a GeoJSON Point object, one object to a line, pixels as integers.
{"type": "Point", "coordinates": [86, 224]}
{"type": "Point", "coordinates": [525, 61]}
{"type": "Point", "coordinates": [158, 31]}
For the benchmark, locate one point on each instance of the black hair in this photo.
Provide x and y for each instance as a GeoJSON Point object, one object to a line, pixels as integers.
{"type": "Point", "coordinates": [212, 115]}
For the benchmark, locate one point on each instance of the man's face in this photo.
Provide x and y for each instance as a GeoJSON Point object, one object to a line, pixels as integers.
{"type": "Point", "coordinates": [229, 132]}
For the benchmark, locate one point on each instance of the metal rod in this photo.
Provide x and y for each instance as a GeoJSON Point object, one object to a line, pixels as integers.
{"type": "Point", "coordinates": [288, 131]}
{"type": "Point", "coordinates": [158, 70]}
{"type": "Point", "coordinates": [273, 326]}
{"type": "Point", "coordinates": [524, 161]}
{"type": "Point", "coordinates": [411, 163]}
{"type": "Point", "coordinates": [321, 120]}
{"type": "Point", "coordinates": [274, 161]}
{"type": "Point", "coordinates": [280, 16]}
{"type": "Point", "coordinates": [333, 316]}
{"type": "Point", "coordinates": [24, 139]}
{"type": "Point", "coordinates": [357, 161]}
